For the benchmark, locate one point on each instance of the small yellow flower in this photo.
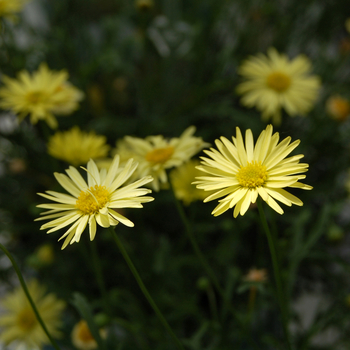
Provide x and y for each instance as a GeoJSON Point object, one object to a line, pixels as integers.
{"type": "Point", "coordinates": [82, 338]}
{"type": "Point", "coordinates": [77, 147]}
{"type": "Point", "coordinates": [144, 5]}
{"type": "Point", "coordinates": [347, 24]}
{"type": "Point", "coordinates": [9, 8]}
{"type": "Point", "coordinates": [156, 154]}
{"type": "Point", "coordinates": [181, 179]}
{"type": "Point", "coordinates": [95, 201]}
{"type": "Point", "coordinates": [19, 323]}
{"type": "Point", "coordinates": [240, 172]}
{"type": "Point", "coordinates": [338, 107]}
{"type": "Point", "coordinates": [256, 275]}
{"type": "Point", "coordinates": [45, 254]}
{"type": "Point", "coordinates": [274, 82]}
{"type": "Point", "coordinates": [42, 95]}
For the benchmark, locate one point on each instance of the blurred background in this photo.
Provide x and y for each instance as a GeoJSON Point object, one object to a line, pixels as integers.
{"type": "Point", "coordinates": [154, 68]}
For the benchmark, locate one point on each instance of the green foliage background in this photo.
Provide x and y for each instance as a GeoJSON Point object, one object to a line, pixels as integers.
{"type": "Point", "coordinates": [137, 85]}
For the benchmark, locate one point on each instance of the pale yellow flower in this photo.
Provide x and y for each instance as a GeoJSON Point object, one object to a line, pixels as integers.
{"type": "Point", "coordinates": [82, 338]}
{"type": "Point", "coordinates": [76, 147]}
{"type": "Point", "coordinates": [18, 322]}
{"type": "Point", "coordinates": [338, 107]}
{"type": "Point", "coordinates": [10, 8]}
{"type": "Point", "coordinates": [156, 154]}
{"type": "Point", "coordinates": [347, 24]}
{"type": "Point", "coordinates": [144, 5]}
{"type": "Point", "coordinates": [256, 275]}
{"type": "Point", "coordinates": [274, 82]}
{"type": "Point", "coordinates": [41, 95]}
{"type": "Point", "coordinates": [181, 179]}
{"type": "Point", "coordinates": [93, 202]}
{"type": "Point", "coordinates": [240, 172]}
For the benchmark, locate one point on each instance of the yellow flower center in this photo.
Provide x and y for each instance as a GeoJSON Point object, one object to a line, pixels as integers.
{"type": "Point", "coordinates": [26, 320]}
{"type": "Point", "coordinates": [93, 199]}
{"type": "Point", "coordinates": [278, 81]}
{"type": "Point", "coordinates": [36, 97]}
{"type": "Point", "coordinates": [160, 155]}
{"type": "Point", "coordinates": [252, 175]}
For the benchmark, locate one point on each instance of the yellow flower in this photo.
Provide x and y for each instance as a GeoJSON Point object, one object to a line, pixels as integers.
{"type": "Point", "coordinates": [241, 172]}
{"type": "Point", "coordinates": [9, 8]}
{"type": "Point", "coordinates": [273, 82]}
{"type": "Point", "coordinates": [181, 179]}
{"type": "Point", "coordinates": [256, 275]}
{"type": "Point", "coordinates": [93, 202]}
{"type": "Point", "coordinates": [42, 95]}
{"type": "Point", "coordinates": [144, 5]}
{"type": "Point", "coordinates": [19, 323]}
{"type": "Point", "coordinates": [76, 147]}
{"type": "Point", "coordinates": [82, 338]}
{"type": "Point", "coordinates": [155, 154]}
{"type": "Point", "coordinates": [338, 107]}
{"type": "Point", "coordinates": [347, 24]}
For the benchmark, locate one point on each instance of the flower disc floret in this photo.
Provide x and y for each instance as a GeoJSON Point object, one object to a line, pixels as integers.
{"type": "Point", "coordinates": [26, 319]}
{"type": "Point", "coordinates": [278, 81]}
{"type": "Point", "coordinates": [252, 175]}
{"type": "Point", "coordinates": [160, 155]}
{"type": "Point", "coordinates": [93, 199]}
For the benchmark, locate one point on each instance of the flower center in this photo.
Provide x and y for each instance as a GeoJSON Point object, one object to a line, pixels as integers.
{"type": "Point", "coordinates": [26, 320]}
{"type": "Point", "coordinates": [35, 97]}
{"type": "Point", "coordinates": [278, 81]}
{"type": "Point", "coordinates": [252, 175]}
{"type": "Point", "coordinates": [84, 333]}
{"type": "Point", "coordinates": [160, 155]}
{"type": "Point", "coordinates": [93, 199]}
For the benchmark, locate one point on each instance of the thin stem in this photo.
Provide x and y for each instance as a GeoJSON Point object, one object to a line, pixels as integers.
{"type": "Point", "coordinates": [277, 273]}
{"type": "Point", "coordinates": [144, 289]}
{"type": "Point", "coordinates": [26, 291]}
{"type": "Point", "coordinates": [207, 268]}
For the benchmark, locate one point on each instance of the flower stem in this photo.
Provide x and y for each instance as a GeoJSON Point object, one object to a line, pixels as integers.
{"type": "Point", "coordinates": [208, 269]}
{"type": "Point", "coordinates": [144, 289]}
{"type": "Point", "coordinates": [26, 291]}
{"type": "Point", "coordinates": [277, 273]}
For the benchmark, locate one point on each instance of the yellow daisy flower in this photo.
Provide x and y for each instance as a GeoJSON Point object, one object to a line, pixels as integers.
{"type": "Point", "coordinates": [241, 172]}
{"type": "Point", "coordinates": [156, 154]}
{"type": "Point", "coordinates": [181, 179]}
{"type": "Point", "coordinates": [19, 323]}
{"type": "Point", "coordinates": [93, 202]}
{"type": "Point", "coordinates": [42, 95]}
{"type": "Point", "coordinates": [82, 338]}
{"type": "Point", "coordinates": [76, 147]}
{"type": "Point", "coordinates": [9, 8]}
{"type": "Point", "coordinates": [273, 82]}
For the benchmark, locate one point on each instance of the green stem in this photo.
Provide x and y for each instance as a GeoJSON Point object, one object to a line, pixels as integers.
{"type": "Point", "coordinates": [144, 289]}
{"type": "Point", "coordinates": [277, 273]}
{"type": "Point", "coordinates": [207, 268]}
{"type": "Point", "coordinates": [26, 291]}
